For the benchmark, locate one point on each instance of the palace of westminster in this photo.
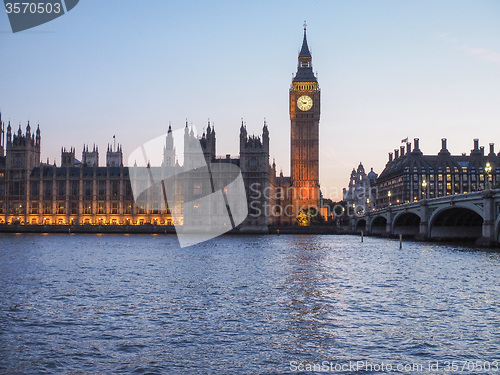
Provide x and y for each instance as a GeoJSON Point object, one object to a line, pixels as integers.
{"type": "Point", "coordinates": [80, 192]}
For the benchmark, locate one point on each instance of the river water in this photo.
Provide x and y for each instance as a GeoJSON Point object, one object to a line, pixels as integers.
{"type": "Point", "coordinates": [117, 304]}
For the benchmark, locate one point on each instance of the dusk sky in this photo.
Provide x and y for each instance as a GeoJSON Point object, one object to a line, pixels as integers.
{"type": "Point", "coordinates": [387, 70]}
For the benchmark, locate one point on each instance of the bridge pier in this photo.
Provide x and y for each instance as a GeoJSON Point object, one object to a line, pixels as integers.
{"type": "Point", "coordinates": [423, 232]}
{"type": "Point", "coordinates": [368, 228]}
{"type": "Point", "coordinates": [388, 226]}
{"type": "Point", "coordinates": [488, 237]}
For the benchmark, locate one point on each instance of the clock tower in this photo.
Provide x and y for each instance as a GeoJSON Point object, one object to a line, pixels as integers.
{"type": "Point", "coordinates": [304, 119]}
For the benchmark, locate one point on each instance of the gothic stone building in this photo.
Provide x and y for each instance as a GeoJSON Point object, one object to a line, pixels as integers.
{"type": "Point", "coordinates": [83, 192]}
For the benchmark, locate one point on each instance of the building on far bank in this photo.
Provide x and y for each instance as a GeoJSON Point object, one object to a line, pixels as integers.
{"type": "Point", "coordinates": [409, 175]}
{"type": "Point", "coordinates": [82, 192]}
{"type": "Point", "coordinates": [361, 192]}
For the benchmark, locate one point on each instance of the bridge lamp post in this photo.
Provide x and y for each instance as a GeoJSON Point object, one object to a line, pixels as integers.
{"type": "Point", "coordinates": [389, 194]}
{"type": "Point", "coordinates": [487, 169]}
{"type": "Point", "coordinates": [424, 188]}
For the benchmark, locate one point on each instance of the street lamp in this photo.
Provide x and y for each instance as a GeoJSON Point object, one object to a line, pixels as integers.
{"type": "Point", "coordinates": [389, 194]}
{"type": "Point", "coordinates": [424, 187]}
{"type": "Point", "coordinates": [487, 169]}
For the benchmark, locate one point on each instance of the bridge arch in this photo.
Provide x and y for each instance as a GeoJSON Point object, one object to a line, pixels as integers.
{"type": "Point", "coordinates": [463, 222]}
{"type": "Point", "coordinates": [361, 225]}
{"type": "Point", "coordinates": [406, 223]}
{"type": "Point", "coordinates": [379, 225]}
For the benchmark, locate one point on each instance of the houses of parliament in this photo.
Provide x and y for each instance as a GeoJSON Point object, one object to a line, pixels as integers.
{"type": "Point", "coordinates": [82, 192]}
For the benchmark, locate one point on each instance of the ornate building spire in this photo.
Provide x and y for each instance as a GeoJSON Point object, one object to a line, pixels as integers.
{"type": "Point", "coordinates": [304, 67]}
{"type": "Point", "coordinates": [304, 52]}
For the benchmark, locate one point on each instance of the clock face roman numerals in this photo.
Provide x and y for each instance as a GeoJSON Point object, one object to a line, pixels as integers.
{"type": "Point", "coordinates": [304, 103]}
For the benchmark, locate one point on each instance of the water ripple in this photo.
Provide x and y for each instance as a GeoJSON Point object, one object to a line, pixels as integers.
{"type": "Point", "coordinates": [241, 304]}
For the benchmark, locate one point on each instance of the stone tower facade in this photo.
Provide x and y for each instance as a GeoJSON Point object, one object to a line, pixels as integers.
{"type": "Point", "coordinates": [90, 158]}
{"type": "Point", "coordinates": [2, 137]}
{"type": "Point", "coordinates": [67, 157]}
{"type": "Point", "coordinates": [304, 119]}
{"type": "Point", "coordinates": [23, 154]}
{"type": "Point", "coordinates": [114, 156]}
{"type": "Point", "coordinates": [23, 150]}
{"type": "Point", "coordinates": [255, 169]}
{"type": "Point", "coordinates": [169, 149]}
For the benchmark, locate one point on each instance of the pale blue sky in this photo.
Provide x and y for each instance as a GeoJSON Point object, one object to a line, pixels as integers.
{"type": "Point", "coordinates": [387, 69]}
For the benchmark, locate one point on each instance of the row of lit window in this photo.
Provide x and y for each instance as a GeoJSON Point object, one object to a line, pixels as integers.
{"type": "Point", "coordinates": [448, 177]}
{"type": "Point", "coordinates": [440, 177]}
{"type": "Point", "coordinates": [447, 170]}
{"type": "Point", "coordinates": [87, 221]}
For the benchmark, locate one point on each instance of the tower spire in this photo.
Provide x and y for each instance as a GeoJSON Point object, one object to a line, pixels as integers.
{"type": "Point", "coordinates": [304, 68]}
{"type": "Point", "coordinates": [304, 52]}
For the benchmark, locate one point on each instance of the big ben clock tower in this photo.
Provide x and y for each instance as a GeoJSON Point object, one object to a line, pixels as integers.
{"type": "Point", "coordinates": [304, 119]}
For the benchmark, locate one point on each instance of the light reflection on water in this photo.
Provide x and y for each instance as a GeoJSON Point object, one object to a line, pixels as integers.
{"type": "Point", "coordinates": [240, 304]}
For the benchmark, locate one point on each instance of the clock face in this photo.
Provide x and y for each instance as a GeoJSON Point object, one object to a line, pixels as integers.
{"type": "Point", "coordinates": [304, 103]}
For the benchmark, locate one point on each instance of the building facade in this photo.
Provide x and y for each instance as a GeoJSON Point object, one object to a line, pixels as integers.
{"type": "Point", "coordinates": [409, 175]}
{"type": "Point", "coordinates": [84, 193]}
{"type": "Point", "coordinates": [361, 194]}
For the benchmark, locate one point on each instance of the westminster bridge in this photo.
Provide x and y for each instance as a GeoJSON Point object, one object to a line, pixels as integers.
{"type": "Point", "coordinates": [472, 216]}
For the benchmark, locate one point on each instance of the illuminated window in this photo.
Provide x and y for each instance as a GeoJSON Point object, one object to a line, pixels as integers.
{"type": "Point", "coordinates": [87, 208]}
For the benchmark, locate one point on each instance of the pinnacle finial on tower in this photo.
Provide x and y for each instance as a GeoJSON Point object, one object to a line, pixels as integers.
{"type": "Point", "coordinates": [304, 51]}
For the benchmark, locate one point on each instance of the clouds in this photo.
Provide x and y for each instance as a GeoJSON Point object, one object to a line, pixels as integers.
{"type": "Point", "coordinates": [480, 53]}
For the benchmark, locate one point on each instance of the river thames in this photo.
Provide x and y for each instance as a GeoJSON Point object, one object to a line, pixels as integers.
{"type": "Point", "coordinates": [104, 304]}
